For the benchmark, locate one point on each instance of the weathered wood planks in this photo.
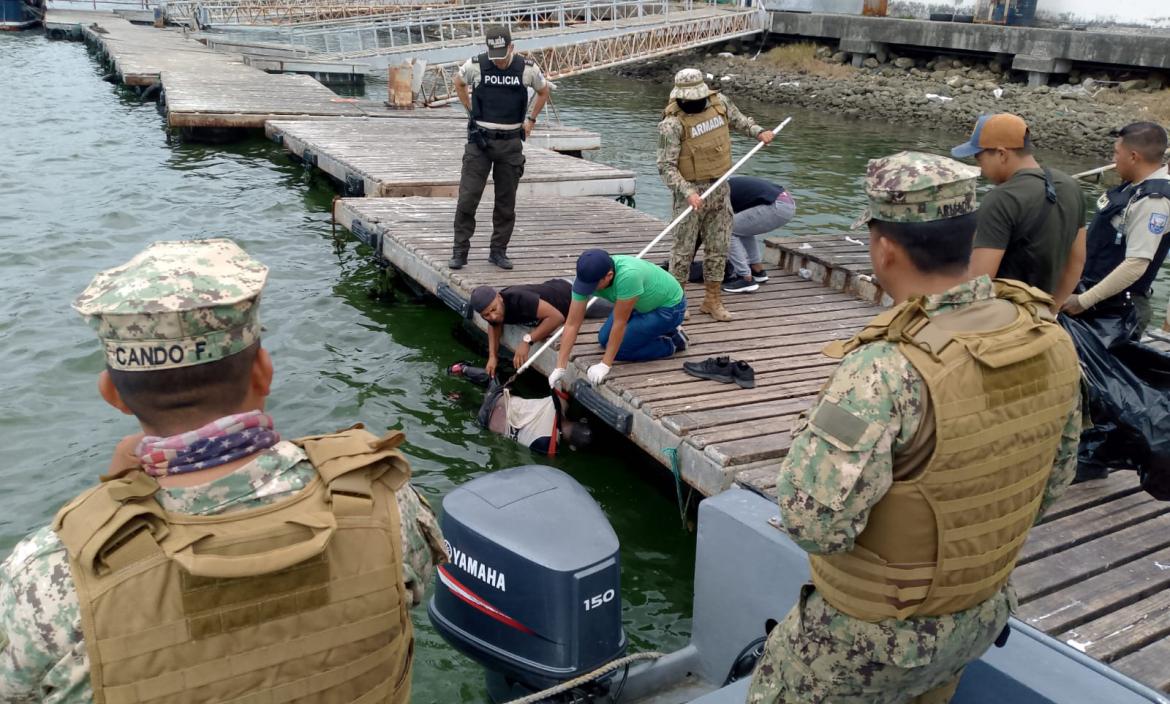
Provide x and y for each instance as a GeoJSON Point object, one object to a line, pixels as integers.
{"type": "Point", "coordinates": [718, 429]}
{"type": "Point", "coordinates": [397, 158]}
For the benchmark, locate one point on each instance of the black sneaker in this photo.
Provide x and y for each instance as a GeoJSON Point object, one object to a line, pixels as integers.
{"type": "Point", "coordinates": [760, 276]}
{"type": "Point", "coordinates": [740, 285]}
{"type": "Point", "coordinates": [713, 368]}
{"type": "Point", "coordinates": [457, 261]}
{"type": "Point", "coordinates": [743, 374]}
{"type": "Point", "coordinates": [500, 259]}
{"type": "Point", "coordinates": [680, 339]}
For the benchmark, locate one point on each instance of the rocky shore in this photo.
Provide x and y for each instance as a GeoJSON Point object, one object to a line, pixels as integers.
{"type": "Point", "coordinates": [948, 92]}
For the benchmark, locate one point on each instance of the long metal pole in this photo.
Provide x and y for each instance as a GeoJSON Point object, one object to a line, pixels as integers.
{"type": "Point", "coordinates": [673, 224]}
{"type": "Point", "coordinates": [1094, 172]}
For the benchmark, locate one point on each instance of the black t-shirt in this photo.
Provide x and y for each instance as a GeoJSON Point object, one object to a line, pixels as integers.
{"type": "Point", "coordinates": [1012, 218]}
{"type": "Point", "coordinates": [749, 191]}
{"type": "Point", "coordinates": [521, 302]}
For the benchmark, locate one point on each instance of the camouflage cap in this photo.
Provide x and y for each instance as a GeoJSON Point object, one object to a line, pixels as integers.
{"type": "Point", "coordinates": [176, 304]}
{"type": "Point", "coordinates": [689, 85]}
{"type": "Point", "coordinates": [917, 187]}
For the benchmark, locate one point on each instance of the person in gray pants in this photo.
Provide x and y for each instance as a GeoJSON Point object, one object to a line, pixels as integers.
{"type": "Point", "coordinates": [760, 207]}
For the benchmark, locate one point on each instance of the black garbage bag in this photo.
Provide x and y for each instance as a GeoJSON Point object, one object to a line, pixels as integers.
{"type": "Point", "coordinates": [1127, 386]}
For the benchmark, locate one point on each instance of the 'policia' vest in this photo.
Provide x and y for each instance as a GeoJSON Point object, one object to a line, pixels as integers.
{"type": "Point", "coordinates": [1105, 245]}
{"type": "Point", "coordinates": [501, 96]}
{"type": "Point", "coordinates": [301, 600]}
{"type": "Point", "coordinates": [1002, 379]}
{"type": "Point", "coordinates": [705, 153]}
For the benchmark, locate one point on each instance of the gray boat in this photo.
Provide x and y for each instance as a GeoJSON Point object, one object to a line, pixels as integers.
{"type": "Point", "coordinates": [533, 594]}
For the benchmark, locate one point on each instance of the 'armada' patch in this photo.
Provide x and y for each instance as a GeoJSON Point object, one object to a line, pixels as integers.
{"type": "Point", "coordinates": [1158, 223]}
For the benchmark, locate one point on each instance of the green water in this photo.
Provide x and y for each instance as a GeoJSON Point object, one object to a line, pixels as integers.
{"type": "Point", "coordinates": [89, 177]}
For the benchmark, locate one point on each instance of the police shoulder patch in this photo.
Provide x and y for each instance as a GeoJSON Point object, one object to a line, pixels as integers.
{"type": "Point", "coordinates": [528, 61]}
{"type": "Point", "coordinates": [1158, 223]}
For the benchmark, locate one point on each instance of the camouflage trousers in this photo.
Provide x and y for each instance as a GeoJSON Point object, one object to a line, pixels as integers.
{"type": "Point", "coordinates": [818, 654]}
{"type": "Point", "coordinates": [711, 226]}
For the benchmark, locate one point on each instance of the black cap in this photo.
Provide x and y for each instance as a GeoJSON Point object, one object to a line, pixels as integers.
{"type": "Point", "coordinates": [481, 298]}
{"type": "Point", "coordinates": [498, 37]}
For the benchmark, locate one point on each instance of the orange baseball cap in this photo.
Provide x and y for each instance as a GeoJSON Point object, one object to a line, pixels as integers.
{"type": "Point", "coordinates": [1001, 131]}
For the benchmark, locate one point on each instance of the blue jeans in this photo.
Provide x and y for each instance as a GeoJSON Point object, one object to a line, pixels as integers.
{"type": "Point", "coordinates": [647, 334]}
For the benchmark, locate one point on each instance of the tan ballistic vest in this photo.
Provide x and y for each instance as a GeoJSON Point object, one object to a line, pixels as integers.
{"type": "Point", "coordinates": [298, 601]}
{"type": "Point", "coordinates": [1002, 379]}
{"type": "Point", "coordinates": [706, 141]}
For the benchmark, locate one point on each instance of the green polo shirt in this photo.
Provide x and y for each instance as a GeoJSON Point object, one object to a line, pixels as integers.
{"type": "Point", "coordinates": [652, 285]}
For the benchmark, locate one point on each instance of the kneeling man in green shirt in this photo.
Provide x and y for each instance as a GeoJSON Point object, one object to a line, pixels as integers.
{"type": "Point", "coordinates": [647, 313]}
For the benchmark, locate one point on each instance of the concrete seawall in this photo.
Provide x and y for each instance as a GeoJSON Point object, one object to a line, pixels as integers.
{"type": "Point", "coordinates": [1040, 52]}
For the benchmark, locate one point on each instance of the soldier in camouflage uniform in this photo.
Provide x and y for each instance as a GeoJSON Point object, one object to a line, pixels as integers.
{"type": "Point", "coordinates": [875, 482]}
{"type": "Point", "coordinates": [694, 150]}
{"type": "Point", "coordinates": [213, 287]}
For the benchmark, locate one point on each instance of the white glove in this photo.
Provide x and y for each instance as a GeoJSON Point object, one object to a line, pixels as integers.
{"type": "Point", "coordinates": [597, 373]}
{"type": "Point", "coordinates": [556, 375]}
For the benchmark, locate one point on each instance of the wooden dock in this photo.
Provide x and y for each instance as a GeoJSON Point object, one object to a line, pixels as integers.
{"type": "Point", "coordinates": [715, 427]}
{"type": "Point", "coordinates": [1095, 574]}
{"type": "Point", "coordinates": [396, 158]}
{"type": "Point", "coordinates": [839, 261]}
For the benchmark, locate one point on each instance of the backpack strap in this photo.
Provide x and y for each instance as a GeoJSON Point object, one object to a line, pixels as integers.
{"type": "Point", "coordinates": [876, 329]}
{"type": "Point", "coordinates": [351, 460]}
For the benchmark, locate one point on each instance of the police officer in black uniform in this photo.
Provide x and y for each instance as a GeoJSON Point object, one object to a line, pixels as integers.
{"type": "Point", "coordinates": [1130, 236]}
{"type": "Point", "coordinates": [499, 81]}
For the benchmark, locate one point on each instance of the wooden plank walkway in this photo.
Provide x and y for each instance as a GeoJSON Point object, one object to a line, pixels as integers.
{"type": "Point", "coordinates": [396, 158]}
{"type": "Point", "coordinates": [719, 430]}
{"type": "Point", "coordinates": [839, 261]}
{"type": "Point", "coordinates": [546, 135]}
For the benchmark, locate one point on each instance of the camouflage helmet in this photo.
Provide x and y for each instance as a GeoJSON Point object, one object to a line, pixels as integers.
{"type": "Point", "coordinates": [917, 187]}
{"type": "Point", "coordinates": [689, 85]}
{"type": "Point", "coordinates": [176, 304]}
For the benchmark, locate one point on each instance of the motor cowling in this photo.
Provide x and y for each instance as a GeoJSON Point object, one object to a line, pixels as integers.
{"type": "Point", "coordinates": [532, 590]}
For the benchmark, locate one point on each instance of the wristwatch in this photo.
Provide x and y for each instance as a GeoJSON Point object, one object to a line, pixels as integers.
{"type": "Point", "coordinates": [530, 117]}
{"type": "Point", "coordinates": [527, 339]}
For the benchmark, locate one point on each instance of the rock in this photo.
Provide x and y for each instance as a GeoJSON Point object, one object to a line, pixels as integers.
{"type": "Point", "coordinates": [1156, 81]}
{"type": "Point", "coordinates": [968, 89]}
{"type": "Point", "coordinates": [956, 64]}
{"type": "Point", "coordinates": [995, 68]}
{"type": "Point", "coordinates": [871, 62]}
{"type": "Point", "coordinates": [1136, 84]}
{"type": "Point", "coordinates": [725, 54]}
{"type": "Point", "coordinates": [1042, 90]}
{"type": "Point", "coordinates": [839, 57]}
{"type": "Point", "coordinates": [1074, 80]}
{"type": "Point", "coordinates": [824, 52]}
{"type": "Point", "coordinates": [955, 81]}
{"type": "Point", "coordinates": [904, 62]}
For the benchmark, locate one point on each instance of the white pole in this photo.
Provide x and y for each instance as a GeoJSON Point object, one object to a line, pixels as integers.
{"type": "Point", "coordinates": [673, 224]}
{"type": "Point", "coordinates": [1094, 172]}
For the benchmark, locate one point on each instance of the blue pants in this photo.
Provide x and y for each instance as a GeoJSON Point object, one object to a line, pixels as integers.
{"type": "Point", "coordinates": [647, 334]}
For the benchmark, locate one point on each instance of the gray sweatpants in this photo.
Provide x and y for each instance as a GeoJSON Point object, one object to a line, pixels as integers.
{"type": "Point", "coordinates": [751, 224]}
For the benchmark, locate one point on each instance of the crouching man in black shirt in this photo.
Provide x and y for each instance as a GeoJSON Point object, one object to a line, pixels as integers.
{"type": "Point", "coordinates": [541, 306]}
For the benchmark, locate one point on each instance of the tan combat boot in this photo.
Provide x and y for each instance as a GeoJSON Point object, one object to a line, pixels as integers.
{"type": "Point", "coordinates": [713, 303]}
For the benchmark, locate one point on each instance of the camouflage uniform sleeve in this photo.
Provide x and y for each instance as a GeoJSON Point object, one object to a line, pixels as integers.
{"type": "Point", "coordinates": [422, 541]}
{"type": "Point", "coordinates": [42, 655]}
{"type": "Point", "coordinates": [739, 121]}
{"type": "Point", "coordinates": [1064, 468]}
{"type": "Point", "coordinates": [669, 147]}
{"type": "Point", "coordinates": [842, 455]}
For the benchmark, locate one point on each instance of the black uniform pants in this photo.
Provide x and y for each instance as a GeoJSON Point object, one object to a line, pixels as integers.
{"type": "Point", "coordinates": [504, 160]}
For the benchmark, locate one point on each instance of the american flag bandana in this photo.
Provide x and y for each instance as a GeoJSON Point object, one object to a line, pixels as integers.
{"type": "Point", "coordinates": [219, 442]}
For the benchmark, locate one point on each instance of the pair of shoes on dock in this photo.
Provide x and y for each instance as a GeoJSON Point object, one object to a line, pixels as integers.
{"type": "Point", "coordinates": [739, 284]}
{"type": "Point", "coordinates": [458, 261]}
{"type": "Point", "coordinates": [723, 369]}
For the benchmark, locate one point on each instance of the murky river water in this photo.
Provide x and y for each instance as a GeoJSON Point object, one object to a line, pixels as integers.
{"type": "Point", "coordinates": [89, 177]}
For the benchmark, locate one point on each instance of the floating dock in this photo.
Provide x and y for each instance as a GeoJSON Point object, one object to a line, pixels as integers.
{"type": "Point", "coordinates": [396, 158]}
{"type": "Point", "coordinates": [716, 428]}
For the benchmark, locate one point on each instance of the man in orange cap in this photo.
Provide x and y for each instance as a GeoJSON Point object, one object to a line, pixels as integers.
{"type": "Point", "coordinates": [1031, 226]}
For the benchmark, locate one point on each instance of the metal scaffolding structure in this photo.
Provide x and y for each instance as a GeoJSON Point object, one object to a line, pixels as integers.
{"type": "Point", "coordinates": [560, 61]}
{"type": "Point", "coordinates": [229, 13]}
{"type": "Point", "coordinates": [372, 35]}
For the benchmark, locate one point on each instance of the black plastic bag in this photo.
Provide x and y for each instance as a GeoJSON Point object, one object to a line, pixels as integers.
{"type": "Point", "coordinates": [1127, 385]}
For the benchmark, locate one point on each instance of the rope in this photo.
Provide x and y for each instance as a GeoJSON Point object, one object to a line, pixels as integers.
{"type": "Point", "coordinates": [672, 454]}
{"type": "Point", "coordinates": [586, 678]}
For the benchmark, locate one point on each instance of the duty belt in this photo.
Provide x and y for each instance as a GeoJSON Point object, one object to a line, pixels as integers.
{"type": "Point", "coordinates": [502, 134]}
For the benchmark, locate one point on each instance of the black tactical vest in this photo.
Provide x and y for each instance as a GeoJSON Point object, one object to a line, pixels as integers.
{"type": "Point", "coordinates": [1105, 245]}
{"type": "Point", "coordinates": [501, 96]}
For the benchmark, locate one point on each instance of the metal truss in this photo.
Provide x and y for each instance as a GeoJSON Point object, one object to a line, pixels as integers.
{"type": "Point", "coordinates": [396, 31]}
{"type": "Point", "coordinates": [606, 52]}
{"type": "Point", "coordinates": [225, 13]}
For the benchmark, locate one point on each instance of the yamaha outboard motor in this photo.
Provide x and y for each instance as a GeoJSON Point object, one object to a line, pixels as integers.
{"type": "Point", "coordinates": [533, 588]}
